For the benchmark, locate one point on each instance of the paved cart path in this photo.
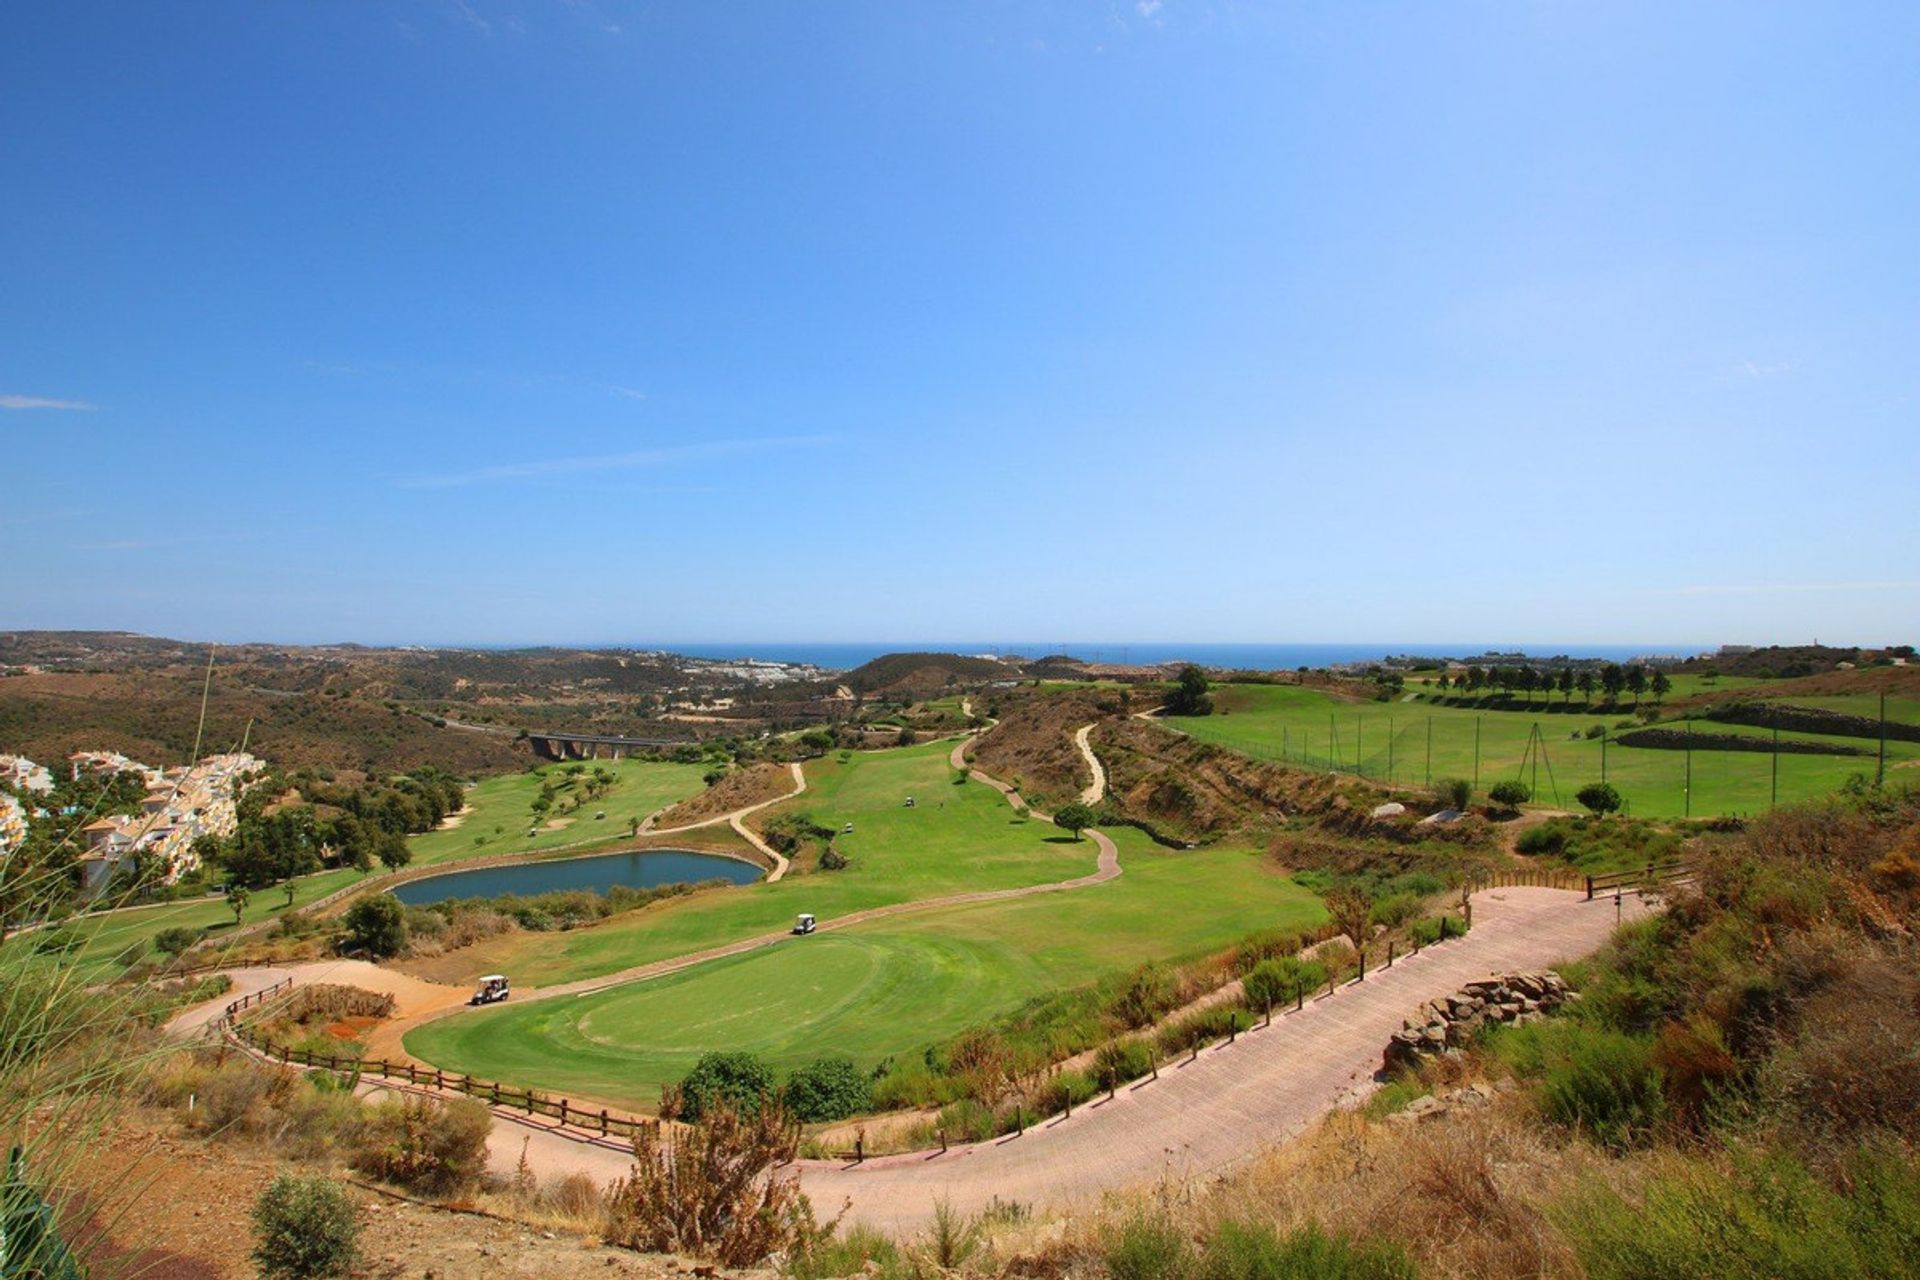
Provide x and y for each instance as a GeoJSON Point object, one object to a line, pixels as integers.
{"type": "Point", "coordinates": [1198, 1118]}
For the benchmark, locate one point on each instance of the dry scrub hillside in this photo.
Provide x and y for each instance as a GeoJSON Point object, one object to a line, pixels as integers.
{"type": "Point", "coordinates": [153, 716]}
{"type": "Point", "coordinates": [740, 788]}
{"type": "Point", "coordinates": [1032, 745]}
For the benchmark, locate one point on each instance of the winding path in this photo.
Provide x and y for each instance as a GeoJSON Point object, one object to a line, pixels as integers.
{"type": "Point", "coordinates": [1096, 790]}
{"type": "Point", "coordinates": [1200, 1117]}
{"type": "Point", "coordinates": [1197, 1119]}
{"type": "Point", "coordinates": [1106, 867]}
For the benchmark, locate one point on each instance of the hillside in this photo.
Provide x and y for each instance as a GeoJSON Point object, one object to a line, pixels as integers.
{"type": "Point", "coordinates": [153, 716]}
{"type": "Point", "coordinates": [923, 673]}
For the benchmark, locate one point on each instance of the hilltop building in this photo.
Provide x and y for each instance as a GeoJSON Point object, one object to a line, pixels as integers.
{"type": "Point", "coordinates": [13, 825]}
{"type": "Point", "coordinates": [181, 805]}
{"type": "Point", "coordinates": [24, 775]}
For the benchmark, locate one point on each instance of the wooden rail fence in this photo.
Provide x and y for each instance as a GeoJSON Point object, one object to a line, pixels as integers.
{"type": "Point", "coordinates": [1651, 876]}
{"type": "Point", "coordinates": [600, 1121]}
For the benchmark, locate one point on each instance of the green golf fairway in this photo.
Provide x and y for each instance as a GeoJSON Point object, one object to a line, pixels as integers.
{"type": "Point", "coordinates": [889, 987]}
{"type": "Point", "coordinates": [1409, 743]}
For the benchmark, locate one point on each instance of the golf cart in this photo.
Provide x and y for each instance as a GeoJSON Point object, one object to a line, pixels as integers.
{"type": "Point", "coordinates": [492, 990]}
{"type": "Point", "coordinates": [805, 924]}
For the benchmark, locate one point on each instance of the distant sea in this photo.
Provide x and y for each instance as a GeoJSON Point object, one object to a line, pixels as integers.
{"type": "Point", "coordinates": [1244, 657]}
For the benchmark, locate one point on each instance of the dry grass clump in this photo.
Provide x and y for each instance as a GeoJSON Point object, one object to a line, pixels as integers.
{"type": "Point", "coordinates": [1463, 1194]}
{"type": "Point", "coordinates": [716, 1191]}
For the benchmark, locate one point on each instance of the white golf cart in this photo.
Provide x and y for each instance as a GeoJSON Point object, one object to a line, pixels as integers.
{"type": "Point", "coordinates": [805, 924]}
{"type": "Point", "coordinates": [492, 990]}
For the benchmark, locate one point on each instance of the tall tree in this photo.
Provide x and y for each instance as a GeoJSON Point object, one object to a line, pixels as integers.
{"type": "Point", "coordinates": [1189, 696]}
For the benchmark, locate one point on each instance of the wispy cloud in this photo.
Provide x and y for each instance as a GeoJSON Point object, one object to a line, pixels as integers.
{"type": "Point", "coordinates": [1789, 588]}
{"type": "Point", "coordinates": [1767, 369]}
{"type": "Point", "coordinates": [1148, 8]}
{"type": "Point", "coordinates": [472, 19]}
{"type": "Point", "coordinates": [541, 468]}
{"type": "Point", "coordinates": [629, 393]}
{"type": "Point", "coordinates": [42, 402]}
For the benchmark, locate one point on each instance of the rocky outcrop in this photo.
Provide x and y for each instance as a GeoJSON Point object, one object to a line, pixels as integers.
{"type": "Point", "coordinates": [1447, 1024]}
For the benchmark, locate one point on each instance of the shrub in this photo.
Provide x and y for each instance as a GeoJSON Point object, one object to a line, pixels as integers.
{"type": "Point", "coordinates": [1150, 1247]}
{"type": "Point", "coordinates": [740, 1079]}
{"type": "Point", "coordinates": [1119, 1061]}
{"type": "Point", "coordinates": [849, 1254]}
{"type": "Point", "coordinates": [1240, 1250]}
{"type": "Point", "coordinates": [1771, 1218]}
{"type": "Point", "coordinates": [968, 1120]}
{"type": "Point", "coordinates": [1068, 1087]}
{"type": "Point", "coordinates": [1604, 1084]}
{"type": "Point", "coordinates": [1510, 793]}
{"type": "Point", "coordinates": [1544, 839]}
{"type": "Point", "coordinates": [828, 1089]}
{"type": "Point", "coordinates": [175, 940]}
{"type": "Point", "coordinates": [425, 1144]}
{"type": "Point", "coordinates": [1396, 909]}
{"type": "Point", "coordinates": [1149, 993]}
{"type": "Point", "coordinates": [1600, 798]}
{"type": "Point", "coordinates": [377, 926]}
{"type": "Point", "coordinates": [305, 1227]}
{"type": "Point", "coordinates": [1429, 931]}
{"type": "Point", "coordinates": [1596, 731]}
{"type": "Point", "coordinates": [1282, 980]}
{"type": "Point", "coordinates": [1201, 1028]}
{"type": "Point", "coordinates": [716, 1192]}
{"type": "Point", "coordinates": [1452, 793]}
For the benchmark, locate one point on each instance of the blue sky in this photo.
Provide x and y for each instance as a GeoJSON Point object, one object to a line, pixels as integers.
{"type": "Point", "coordinates": [598, 322]}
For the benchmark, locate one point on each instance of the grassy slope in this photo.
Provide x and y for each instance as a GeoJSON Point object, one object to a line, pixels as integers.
{"type": "Point", "coordinates": [1271, 722]}
{"type": "Point", "coordinates": [643, 787]}
{"type": "Point", "coordinates": [875, 990]}
{"type": "Point", "coordinates": [955, 840]}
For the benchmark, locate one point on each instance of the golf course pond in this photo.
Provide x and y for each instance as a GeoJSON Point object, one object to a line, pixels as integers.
{"type": "Point", "coordinates": [641, 869]}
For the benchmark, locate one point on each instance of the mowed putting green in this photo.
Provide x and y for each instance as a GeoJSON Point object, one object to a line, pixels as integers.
{"type": "Point", "coordinates": [1409, 743]}
{"type": "Point", "coordinates": [955, 839]}
{"type": "Point", "coordinates": [886, 988]}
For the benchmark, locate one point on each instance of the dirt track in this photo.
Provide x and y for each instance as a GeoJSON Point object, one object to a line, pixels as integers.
{"type": "Point", "coordinates": [1098, 787]}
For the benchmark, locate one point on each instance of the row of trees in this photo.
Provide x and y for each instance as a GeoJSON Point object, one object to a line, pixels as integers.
{"type": "Point", "coordinates": [1613, 679]}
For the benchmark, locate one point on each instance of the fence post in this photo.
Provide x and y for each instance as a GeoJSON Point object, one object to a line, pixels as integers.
{"type": "Point", "coordinates": [1233, 1029]}
{"type": "Point", "coordinates": [563, 1113]}
{"type": "Point", "coordinates": [1389, 953]}
{"type": "Point", "coordinates": [1363, 963]}
{"type": "Point", "coordinates": [603, 1122]}
{"type": "Point", "coordinates": [1269, 1018]}
{"type": "Point", "coordinates": [1329, 982]}
{"type": "Point", "coordinates": [383, 1066]}
{"type": "Point", "coordinates": [1299, 996]}
{"type": "Point", "coordinates": [943, 1131]}
{"type": "Point", "coordinates": [1589, 888]}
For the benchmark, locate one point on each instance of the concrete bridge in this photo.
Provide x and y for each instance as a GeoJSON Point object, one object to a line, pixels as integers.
{"type": "Point", "coordinates": [593, 746]}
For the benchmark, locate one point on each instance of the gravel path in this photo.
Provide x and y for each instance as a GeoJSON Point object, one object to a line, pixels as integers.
{"type": "Point", "coordinates": [1097, 789]}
